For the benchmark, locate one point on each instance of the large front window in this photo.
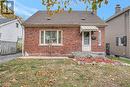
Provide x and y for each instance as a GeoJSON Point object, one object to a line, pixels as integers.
{"type": "Point", "coordinates": [51, 37]}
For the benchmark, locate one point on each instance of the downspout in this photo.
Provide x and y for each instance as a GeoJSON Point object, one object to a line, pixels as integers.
{"type": "Point", "coordinates": [23, 40]}
{"type": "Point", "coordinates": [22, 26]}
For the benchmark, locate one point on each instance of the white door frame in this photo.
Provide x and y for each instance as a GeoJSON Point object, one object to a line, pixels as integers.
{"type": "Point", "coordinates": [86, 47]}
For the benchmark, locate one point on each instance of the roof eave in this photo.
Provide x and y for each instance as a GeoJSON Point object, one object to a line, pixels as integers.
{"type": "Point", "coordinates": [50, 25]}
{"type": "Point", "coordinates": [64, 25]}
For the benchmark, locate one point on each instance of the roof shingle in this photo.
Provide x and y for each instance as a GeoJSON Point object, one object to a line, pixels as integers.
{"type": "Point", "coordinates": [5, 20]}
{"type": "Point", "coordinates": [73, 18]}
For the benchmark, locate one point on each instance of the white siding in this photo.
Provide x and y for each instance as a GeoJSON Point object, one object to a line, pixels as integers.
{"type": "Point", "coordinates": [10, 32]}
{"type": "Point", "coordinates": [118, 27]}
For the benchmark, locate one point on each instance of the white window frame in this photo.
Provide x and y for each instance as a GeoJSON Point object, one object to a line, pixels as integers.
{"type": "Point", "coordinates": [57, 44]}
{"type": "Point", "coordinates": [99, 38]}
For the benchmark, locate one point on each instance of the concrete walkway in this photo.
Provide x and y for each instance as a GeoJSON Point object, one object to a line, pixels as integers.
{"type": "Point", "coordinates": [7, 58]}
{"type": "Point", "coordinates": [42, 57]}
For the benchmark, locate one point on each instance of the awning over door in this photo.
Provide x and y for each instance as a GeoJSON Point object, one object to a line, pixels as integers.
{"type": "Point", "coordinates": [88, 28]}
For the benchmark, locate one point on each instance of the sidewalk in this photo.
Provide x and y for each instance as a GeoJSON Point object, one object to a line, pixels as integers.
{"type": "Point", "coordinates": [42, 57]}
{"type": "Point", "coordinates": [7, 58]}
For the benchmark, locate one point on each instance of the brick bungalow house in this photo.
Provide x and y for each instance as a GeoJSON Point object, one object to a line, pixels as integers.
{"type": "Point", "coordinates": [64, 33]}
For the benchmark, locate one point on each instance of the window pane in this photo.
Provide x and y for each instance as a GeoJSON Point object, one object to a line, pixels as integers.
{"type": "Point", "coordinates": [59, 37]}
{"type": "Point", "coordinates": [86, 38]}
{"type": "Point", "coordinates": [47, 37]}
{"type": "Point", "coordinates": [51, 37]}
{"type": "Point", "coordinates": [122, 40]}
{"type": "Point", "coordinates": [42, 37]}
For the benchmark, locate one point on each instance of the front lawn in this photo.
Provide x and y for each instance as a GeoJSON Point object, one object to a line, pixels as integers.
{"type": "Point", "coordinates": [121, 59]}
{"type": "Point", "coordinates": [62, 73]}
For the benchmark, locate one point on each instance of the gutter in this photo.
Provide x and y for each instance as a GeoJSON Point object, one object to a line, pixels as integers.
{"type": "Point", "coordinates": [63, 25]}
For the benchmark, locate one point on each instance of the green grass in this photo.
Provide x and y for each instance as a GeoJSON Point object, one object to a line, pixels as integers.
{"type": "Point", "coordinates": [125, 60]}
{"type": "Point", "coordinates": [62, 73]}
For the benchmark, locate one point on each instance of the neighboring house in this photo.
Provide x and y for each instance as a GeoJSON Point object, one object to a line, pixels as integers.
{"type": "Point", "coordinates": [118, 32]}
{"type": "Point", "coordinates": [10, 32]}
{"type": "Point", "coordinates": [64, 33]}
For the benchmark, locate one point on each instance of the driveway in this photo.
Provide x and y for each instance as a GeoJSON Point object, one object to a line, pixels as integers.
{"type": "Point", "coordinates": [7, 58]}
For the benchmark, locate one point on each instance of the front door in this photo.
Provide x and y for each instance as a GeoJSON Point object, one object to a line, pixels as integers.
{"type": "Point", "coordinates": [86, 41]}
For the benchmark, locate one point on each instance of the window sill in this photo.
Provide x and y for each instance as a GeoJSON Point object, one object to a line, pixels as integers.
{"type": "Point", "coordinates": [56, 45]}
{"type": "Point", "coordinates": [121, 45]}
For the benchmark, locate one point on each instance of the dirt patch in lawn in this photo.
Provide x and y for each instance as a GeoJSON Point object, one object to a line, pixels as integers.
{"type": "Point", "coordinates": [62, 73]}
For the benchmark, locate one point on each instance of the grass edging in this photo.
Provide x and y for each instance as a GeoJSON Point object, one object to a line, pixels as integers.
{"type": "Point", "coordinates": [121, 59]}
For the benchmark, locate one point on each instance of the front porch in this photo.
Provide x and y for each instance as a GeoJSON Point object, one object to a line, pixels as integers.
{"type": "Point", "coordinates": [88, 36]}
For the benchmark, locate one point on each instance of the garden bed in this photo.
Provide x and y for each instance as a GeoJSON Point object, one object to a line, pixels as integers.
{"type": "Point", "coordinates": [86, 60]}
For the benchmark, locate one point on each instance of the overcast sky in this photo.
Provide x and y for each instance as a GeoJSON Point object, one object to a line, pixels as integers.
{"type": "Point", "coordinates": [26, 8]}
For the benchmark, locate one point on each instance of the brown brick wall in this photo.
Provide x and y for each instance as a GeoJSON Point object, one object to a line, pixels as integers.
{"type": "Point", "coordinates": [94, 46]}
{"type": "Point", "coordinates": [72, 41]}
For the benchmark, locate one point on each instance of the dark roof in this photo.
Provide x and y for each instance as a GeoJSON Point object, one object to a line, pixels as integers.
{"type": "Point", "coordinates": [4, 20]}
{"type": "Point", "coordinates": [64, 18]}
{"type": "Point", "coordinates": [118, 14]}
